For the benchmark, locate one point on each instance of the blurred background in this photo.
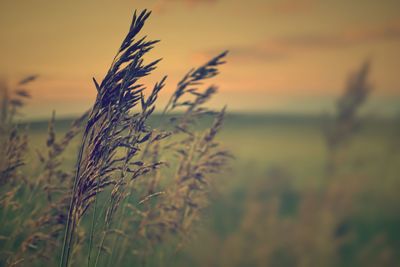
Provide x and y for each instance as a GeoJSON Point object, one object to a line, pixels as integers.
{"type": "Point", "coordinates": [313, 100]}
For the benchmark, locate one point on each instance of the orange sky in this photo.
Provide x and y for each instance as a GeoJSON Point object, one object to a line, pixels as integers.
{"type": "Point", "coordinates": [285, 55]}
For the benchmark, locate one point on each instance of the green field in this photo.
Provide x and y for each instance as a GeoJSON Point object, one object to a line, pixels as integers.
{"type": "Point", "coordinates": [278, 206]}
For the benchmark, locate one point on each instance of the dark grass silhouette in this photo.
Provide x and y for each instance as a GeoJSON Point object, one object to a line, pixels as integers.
{"type": "Point", "coordinates": [86, 212]}
{"type": "Point", "coordinates": [346, 121]}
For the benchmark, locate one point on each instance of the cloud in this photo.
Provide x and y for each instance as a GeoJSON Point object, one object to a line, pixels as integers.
{"type": "Point", "coordinates": [291, 7]}
{"type": "Point", "coordinates": [346, 38]}
{"type": "Point", "coordinates": [162, 6]}
{"type": "Point", "coordinates": [273, 50]}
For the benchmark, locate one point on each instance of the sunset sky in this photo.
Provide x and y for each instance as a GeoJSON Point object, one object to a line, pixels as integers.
{"type": "Point", "coordinates": [285, 55]}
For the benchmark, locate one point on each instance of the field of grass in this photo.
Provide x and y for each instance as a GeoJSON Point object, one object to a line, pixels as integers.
{"type": "Point", "coordinates": [193, 186]}
{"type": "Point", "coordinates": [277, 206]}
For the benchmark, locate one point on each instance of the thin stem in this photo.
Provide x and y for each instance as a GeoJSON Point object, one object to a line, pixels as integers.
{"type": "Point", "coordinates": [93, 225]}
{"type": "Point", "coordinates": [68, 234]}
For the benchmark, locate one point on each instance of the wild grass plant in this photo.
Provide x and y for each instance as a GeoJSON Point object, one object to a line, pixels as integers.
{"type": "Point", "coordinates": [33, 206]}
{"type": "Point", "coordinates": [346, 121]}
{"type": "Point", "coordinates": [120, 191]}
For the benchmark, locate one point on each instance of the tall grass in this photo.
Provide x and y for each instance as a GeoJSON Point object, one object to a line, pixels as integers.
{"type": "Point", "coordinates": [346, 121]}
{"type": "Point", "coordinates": [122, 174]}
